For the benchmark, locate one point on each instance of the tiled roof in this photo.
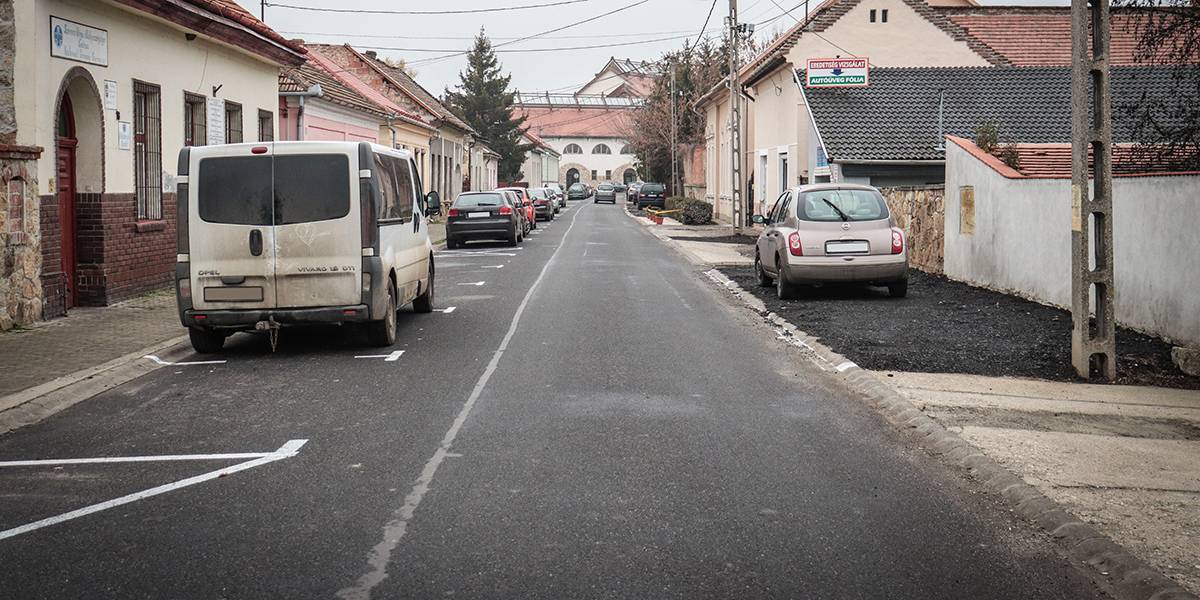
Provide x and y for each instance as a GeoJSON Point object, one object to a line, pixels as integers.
{"type": "Point", "coordinates": [896, 117]}
{"type": "Point", "coordinates": [332, 89]}
{"type": "Point", "coordinates": [414, 90]}
{"type": "Point", "coordinates": [226, 21]}
{"type": "Point", "coordinates": [1053, 161]}
{"type": "Point", "coordinates": [1039, 35]}
{"type": "Point", "coordinates": [575, 122]}
{"type": "Point", "coordinates": [367, 92]}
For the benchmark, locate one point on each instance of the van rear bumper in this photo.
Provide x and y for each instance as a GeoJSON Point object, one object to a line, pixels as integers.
{"type": "Point", "coordinates": [245, 319]}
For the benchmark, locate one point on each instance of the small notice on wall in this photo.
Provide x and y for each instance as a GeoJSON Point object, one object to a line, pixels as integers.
{"type": "Point", "coordinates": [216, 121]}
{"type": "Point", "coordinates": [124, 135]}
{"type": "Point", "coordinates": [110, 95]}
{"type": "Point", "coordinates": [76, 41]}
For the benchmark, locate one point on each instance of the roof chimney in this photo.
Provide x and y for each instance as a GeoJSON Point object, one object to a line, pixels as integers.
{"type": "Point", "coordinates": [371, 54]}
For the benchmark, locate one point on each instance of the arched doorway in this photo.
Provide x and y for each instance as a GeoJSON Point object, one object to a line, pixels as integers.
{"type": "Point", "coordinates": [67, 145]}
{"type": "Point", "coordinates": [630, 176]}
{"type": "Point", "coordinates": [572, 176]}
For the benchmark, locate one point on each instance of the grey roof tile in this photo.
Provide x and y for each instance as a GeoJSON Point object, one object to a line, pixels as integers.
{"type": "Point", "coordinates": [896, 116]}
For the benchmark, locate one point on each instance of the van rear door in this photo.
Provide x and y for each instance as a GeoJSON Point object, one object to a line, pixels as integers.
{"type": "Point", "coordinates": [318, 234]}
{"type": "Point", "coordinates": [231, 229]}
{"type": "Point", "coordinates": [276, 229]}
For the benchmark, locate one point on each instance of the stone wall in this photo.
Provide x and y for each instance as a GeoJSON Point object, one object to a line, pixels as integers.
{"type": "Point", "coordinates": [20, 238]}
{"type": "Point", "coordinates": [920, 211]}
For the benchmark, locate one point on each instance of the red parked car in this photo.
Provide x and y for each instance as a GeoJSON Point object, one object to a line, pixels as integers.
{"type": "Point", "coordinates": [526, 203]}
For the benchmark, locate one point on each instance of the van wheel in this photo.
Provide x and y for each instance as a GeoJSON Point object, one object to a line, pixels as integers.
{"type": "Point", "coordinates": [383, 331]}
{"type": "Point", "coordinates": [206, 341]}
{"type": "Point", "coordinates": [424, 302]}
{"type": "Point", "coordinates": [451, 243]}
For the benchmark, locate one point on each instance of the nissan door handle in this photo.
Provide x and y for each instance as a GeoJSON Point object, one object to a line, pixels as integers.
{"type": "Point", "coordinates": [256, 242]}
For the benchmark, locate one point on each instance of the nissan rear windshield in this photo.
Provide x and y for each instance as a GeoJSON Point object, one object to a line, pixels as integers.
{"type": "Point", "coordinates": [841, 205]}
{"type": "Point", "coordinates": [274, 190]}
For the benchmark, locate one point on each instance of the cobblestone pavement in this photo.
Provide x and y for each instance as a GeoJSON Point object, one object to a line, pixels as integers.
{"type": "Point", "coordinates": [86, 337]}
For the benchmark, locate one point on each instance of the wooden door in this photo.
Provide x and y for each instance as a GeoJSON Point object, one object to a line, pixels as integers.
{"type": "Point", "coordinates": [66, 217]}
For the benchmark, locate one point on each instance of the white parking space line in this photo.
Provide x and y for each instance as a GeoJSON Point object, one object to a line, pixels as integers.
{"type": "Point", "coordinates": [477, 283]}
{"type": "Point", "coordinates": [445, 311]}
{"type": "Point", "coordinates": [287, 450]}
{"type": "Point", "coordinates": [393, 357]}
{"type": "Point", "coordinates": [492, 267]}
{"type": "Point", "coordinates": [195, 362]}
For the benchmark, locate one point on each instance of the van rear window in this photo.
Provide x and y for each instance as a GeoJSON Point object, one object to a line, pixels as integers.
{"type": "Point", "coordinates": [274, 190]}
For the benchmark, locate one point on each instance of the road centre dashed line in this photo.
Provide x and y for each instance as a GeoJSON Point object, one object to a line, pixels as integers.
{"type": "Point", "coordinates": [394, 530]}
{"type": "Point", "coordinates": [290, 449]}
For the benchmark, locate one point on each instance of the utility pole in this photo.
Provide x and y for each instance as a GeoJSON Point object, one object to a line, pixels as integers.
{"type": "Point", "coordinates": [674, 152]}
{"type": "Point", "coordinates": [735, 122]}
{"type": "Point", "coordinates": [1091, 214]}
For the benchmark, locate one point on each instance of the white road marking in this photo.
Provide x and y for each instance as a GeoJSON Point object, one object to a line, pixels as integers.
{"type": "Point", "coordinates": [475, 283]}
{"type": "Point", "coordinates": [287, 450]}
{"type": "Point", "coordinates": [393, 357]}
{"type": "Point", "coordinates": [492, 267]}
{"type": "Point", "coordinates": [395, 529]}
{"type": "Point", "coordinates": [470, 253]}
{"type": "Point", "coordinates": [446, 311]}
{"type": "Point", "coordinates": [195, 362]}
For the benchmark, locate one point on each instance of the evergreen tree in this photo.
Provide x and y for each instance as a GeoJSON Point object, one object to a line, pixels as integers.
{"type": "Point", "coordinates": [484, 102]}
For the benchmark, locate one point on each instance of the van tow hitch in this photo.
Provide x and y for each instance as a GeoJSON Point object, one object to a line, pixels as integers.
{"type": "Point", "coordinates": [272, 329]}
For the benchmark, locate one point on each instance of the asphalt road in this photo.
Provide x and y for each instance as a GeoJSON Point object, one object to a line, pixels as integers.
{"type": "Point", "coordinates": [593, 419]}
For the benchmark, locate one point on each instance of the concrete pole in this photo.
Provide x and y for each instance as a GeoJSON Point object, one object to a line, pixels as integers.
{"type": "Point", "coordinates": [735, 123]}
{"type": "Point", "coordinates": [1091, 213]}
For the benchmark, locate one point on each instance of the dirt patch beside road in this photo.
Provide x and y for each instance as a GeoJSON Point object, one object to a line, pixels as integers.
{"type": "Point", "coordinates": [945, 326]}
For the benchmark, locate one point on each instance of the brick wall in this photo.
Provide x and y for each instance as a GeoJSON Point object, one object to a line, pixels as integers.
{"type": "Point", "coordinates": [921, 212]}
{"type": "Point", "coordinates": [54, 281]}
{"type": "Point", "coordinates": [120, 257]}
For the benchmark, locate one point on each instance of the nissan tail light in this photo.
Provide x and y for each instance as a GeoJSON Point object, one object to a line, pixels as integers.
{"type": "Point", "coordinates": [897, 241]}
{"type": "Point", "coordinates": [794, 244]}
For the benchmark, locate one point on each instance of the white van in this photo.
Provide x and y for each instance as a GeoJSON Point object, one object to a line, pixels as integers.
{"type": "Point", "coordinates": [290, 233]}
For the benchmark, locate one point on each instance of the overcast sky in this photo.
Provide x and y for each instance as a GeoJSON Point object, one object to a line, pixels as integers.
{"type": "Point", "coordinates": [553, 46]}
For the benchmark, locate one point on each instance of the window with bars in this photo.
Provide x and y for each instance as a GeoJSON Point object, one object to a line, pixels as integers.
{"type": "Point", "coordinates": [147, 150]}
{"type": "Point", "coordinates": [266, 126]}
{"type": "Point", "coordinates": [233, 122]}
{"type": "Point", "coordinates": [195, 120]}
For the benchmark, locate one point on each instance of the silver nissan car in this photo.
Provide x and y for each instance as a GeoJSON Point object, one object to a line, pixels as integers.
{"type": "Point", "coordinates": [829, 232]}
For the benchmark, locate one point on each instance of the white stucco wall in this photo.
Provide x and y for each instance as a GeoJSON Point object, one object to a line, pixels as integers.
{"type": "Point", "coordinates": [1022, 242]}
{"type": "Point", "coordinates": [587, 162]}
{"type": "Point", "coordinates": [139, 47]}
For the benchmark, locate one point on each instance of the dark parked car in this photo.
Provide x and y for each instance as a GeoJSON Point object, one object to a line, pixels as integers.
{"type": "Point", "coordinates": [543, 203]}
{"type": "Point", "coordinates": [578, 191]}
{"type": "Point", "coordinates": [617, 185]}
{"type": "Point", "coordinates": [482, 216]}
{"type": "Point", "coordinates": [652, 194]}
{"type": "Point", "coordinates": [606, 193]}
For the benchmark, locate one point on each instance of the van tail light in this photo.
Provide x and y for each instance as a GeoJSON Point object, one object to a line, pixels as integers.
{"type": "Point", "coordinates": [794, 244]}
{"type": "Point", "coordinates": [452, 212]}
{"type": "Point", "coordinates": [506, 210]}
{"type": "Point", "coordinates": [897, 241]}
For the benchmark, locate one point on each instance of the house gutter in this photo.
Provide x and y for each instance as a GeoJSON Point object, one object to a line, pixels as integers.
{"type": "Point", "coordinates": [312, 92]}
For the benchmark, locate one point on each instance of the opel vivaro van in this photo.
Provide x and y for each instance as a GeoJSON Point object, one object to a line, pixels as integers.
{"type": "Point", "coordinates": [292, 233]}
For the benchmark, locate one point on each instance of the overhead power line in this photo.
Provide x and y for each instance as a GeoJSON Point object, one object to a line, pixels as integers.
{"type": "Point", "coordinates": [563, 49]}
{"type": "Point", "coordinates": [424, 12]}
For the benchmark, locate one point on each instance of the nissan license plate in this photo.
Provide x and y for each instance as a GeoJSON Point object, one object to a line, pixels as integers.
{"type": "Point", "coordinates": [854, 247]}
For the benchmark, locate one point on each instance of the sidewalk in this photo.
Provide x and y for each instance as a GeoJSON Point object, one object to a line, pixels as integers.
{"type": "Point", "coordinates": [1123, 459]}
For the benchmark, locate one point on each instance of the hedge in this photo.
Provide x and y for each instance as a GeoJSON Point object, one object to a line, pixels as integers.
{"type": "Point", "coordinates": [691, 210]}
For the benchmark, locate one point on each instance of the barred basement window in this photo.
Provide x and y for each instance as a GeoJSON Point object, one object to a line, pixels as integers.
{"type": "Point", "coordinates": [233, 122]}
{"type": "Point", "coordinates": [195, 120]}
{"type": "Point", "coordinates": [266, 126]}
{"type": "Point", "coordinates": [147, 150]}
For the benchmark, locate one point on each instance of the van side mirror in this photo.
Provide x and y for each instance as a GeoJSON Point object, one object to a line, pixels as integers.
{"type": "Point", "coordinates": [757, 219]}
{"type": "Point", "coordinates": [433, 204]}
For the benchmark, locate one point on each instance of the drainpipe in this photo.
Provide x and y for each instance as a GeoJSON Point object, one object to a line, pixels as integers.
{"type": "Point", "coordinates": [312, 92]}
{"type": "Point", "coordinates": [390, 118]}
